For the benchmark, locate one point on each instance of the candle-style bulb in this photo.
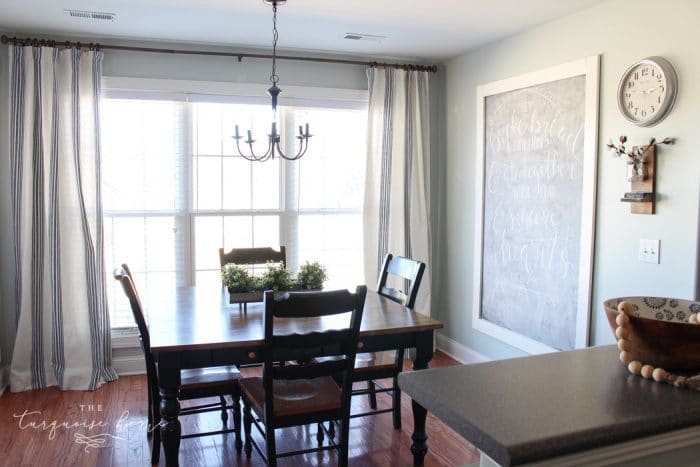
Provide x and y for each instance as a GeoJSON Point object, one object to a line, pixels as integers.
{"type": "Point", "coordinates": [307, 129]}
{"type": "Point", "coordinates": [238, 136]}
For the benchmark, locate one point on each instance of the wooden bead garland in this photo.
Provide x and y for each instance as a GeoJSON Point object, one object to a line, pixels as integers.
{"type": "Point", "coordinates": [648, 371]}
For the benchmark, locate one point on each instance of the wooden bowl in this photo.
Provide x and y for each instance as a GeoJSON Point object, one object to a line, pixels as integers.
{"type": "Point", "coordinates": [659, 331]}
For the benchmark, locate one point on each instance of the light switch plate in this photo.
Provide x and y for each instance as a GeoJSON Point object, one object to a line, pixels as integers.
{"type": "Point", "coordinates": [649, 250]}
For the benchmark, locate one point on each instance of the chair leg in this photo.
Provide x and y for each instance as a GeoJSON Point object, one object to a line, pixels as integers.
{"type": "Point", "coordinates": [331, 429]}
{"type": "Point", "coordinates": [372, 394]}
{"type": "Point", "coordinates": [155, 449]}
{"type": "Point", "coordinates": [397, 404]}
{"type": "Point", "coordinates": [271, 448]}
{"type": "Point", "coordinates": [224, 414]}
{"type": "Point", "coordinates": [149, 427]}
{"type": "Point", "coordinates": [154, 412]}
{"type": "Point", "coordinates": [319, 433]}
{"type": "Point", "coordinates": [344, 443]}
{"type": "Point", "coordinates": [247, 422]}
{"type": "Point", "coordinates": [237, 420]}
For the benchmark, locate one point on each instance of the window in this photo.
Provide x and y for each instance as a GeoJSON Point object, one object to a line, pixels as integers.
{"type": "Point", "coordinates": [174, 190]}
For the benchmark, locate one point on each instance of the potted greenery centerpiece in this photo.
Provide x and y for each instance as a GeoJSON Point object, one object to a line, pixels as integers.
{"type": "Point", "coordinates": [311, 276]}
{"type": "Point", "coordinates": [244, 287]}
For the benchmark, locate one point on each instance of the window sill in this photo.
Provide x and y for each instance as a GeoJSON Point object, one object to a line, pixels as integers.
{"type": "Point", "coordinates": [125, 338]}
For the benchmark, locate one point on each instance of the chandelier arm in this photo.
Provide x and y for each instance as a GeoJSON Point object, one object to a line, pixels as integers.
{"type": "Point", "coordinates": [303, 145]}
{"type": "Point", "coordinates": [245, 156]}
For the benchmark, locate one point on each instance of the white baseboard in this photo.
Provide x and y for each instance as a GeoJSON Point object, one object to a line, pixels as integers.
{"type": "Point", "coordinates": [132, 365]}
{"type": "Point", "coordinates": [459, 352]}
{"type": "Point", "coordinates": [4, 377]}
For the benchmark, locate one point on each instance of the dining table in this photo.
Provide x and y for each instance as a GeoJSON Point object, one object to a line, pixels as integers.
{"type": "Point", "coordinates": [196, 327]}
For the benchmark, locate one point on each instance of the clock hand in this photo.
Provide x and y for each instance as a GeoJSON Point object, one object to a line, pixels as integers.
{"type": "Point", "coordinates": [642, 91]}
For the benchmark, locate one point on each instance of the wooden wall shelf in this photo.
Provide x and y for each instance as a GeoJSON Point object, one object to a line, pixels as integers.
{"type": "Point", "coordinates": [646, 205]}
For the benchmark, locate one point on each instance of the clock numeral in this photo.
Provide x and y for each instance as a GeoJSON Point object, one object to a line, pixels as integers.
{"type": "Point", "coordinates": [636, 110]}
{"type": "Point", "coordinates": [630, 84]}
{"type": "Point", "coordinates": [636, 75]}
{"type": "Point", "coordinates": [653, 109]}
{"type": "Point", "coordinates": [644, 113]}
{"type": "Point", "coordinates": [663, 89]}
{"type": "Point", "coordinates": [628, 95]}
{"type": "Point", "coordinates": [630, 104]}
{"type": "Point", "coordinates": [659, 100]}
{"type": "Point", "coordinates": [652, 72]}
{"type": "Point", "coordinates": [645, 71]}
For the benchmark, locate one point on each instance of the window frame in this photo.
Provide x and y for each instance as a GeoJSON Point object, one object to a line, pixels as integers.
{"type": "Point", "coordinates": [235, 93]}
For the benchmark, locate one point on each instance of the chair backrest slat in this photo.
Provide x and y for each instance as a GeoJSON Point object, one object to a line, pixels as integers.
{"type": "Point", "coordinates": [308, 371]}
{"type": "Point", "coordinates": [408, 269]}
{"type": "Point", "coordinates": [311, 339]}
{"type": "Point", "coordinates": [253, 256]}
{"type": "Point", "coordinates": [314, 303]}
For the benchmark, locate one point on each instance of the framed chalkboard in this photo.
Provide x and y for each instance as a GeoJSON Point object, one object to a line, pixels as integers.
{"type": "Point", "coordinates": [536, 158]}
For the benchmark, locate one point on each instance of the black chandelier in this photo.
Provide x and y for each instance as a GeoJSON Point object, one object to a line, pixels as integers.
{"type": "Point", "coordinates": [273, 147]}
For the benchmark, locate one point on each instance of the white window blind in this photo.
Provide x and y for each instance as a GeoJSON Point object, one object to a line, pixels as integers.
{"type": "Point", "coordinates": [174, 190]}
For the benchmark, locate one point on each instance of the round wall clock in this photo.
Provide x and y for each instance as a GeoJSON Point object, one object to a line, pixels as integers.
{"type": "Point", "coordinates": [647, 91]}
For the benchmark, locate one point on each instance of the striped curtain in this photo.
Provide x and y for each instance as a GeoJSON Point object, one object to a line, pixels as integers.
{"type": "Point", "coordinates": [63, 332]}
{"type": "Point", "coordinates": [397, 189]}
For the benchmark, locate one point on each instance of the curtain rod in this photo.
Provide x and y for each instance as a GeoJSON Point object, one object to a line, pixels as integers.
{"type": "Point", "coordinates": [239, 55]}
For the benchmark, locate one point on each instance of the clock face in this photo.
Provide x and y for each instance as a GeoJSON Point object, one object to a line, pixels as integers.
{"type": "Point", "coordinates": [647, 91]}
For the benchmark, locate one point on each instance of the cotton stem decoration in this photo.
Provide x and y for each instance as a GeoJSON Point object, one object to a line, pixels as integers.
{"type": "Point", "coordinates": [636, 156]}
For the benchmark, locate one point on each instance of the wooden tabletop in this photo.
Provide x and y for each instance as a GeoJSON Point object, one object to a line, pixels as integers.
{"type": "Point", "coordinates": [202, 318]}
{"type": "Point", "coordinates": [534, 408]}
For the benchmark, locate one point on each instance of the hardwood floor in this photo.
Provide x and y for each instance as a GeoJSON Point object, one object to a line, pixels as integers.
{"type": "Point", "coordinates": [43, 428]}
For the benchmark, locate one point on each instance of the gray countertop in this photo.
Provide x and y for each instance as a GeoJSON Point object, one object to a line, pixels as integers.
{"type": "Point", "coordinates": [534, 408]}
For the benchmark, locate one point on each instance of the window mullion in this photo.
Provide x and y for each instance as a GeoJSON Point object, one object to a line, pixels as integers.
{"type": "Point", "coordinates": [288, 193]}
{"type": "Point", "coordinates": [187, 187]}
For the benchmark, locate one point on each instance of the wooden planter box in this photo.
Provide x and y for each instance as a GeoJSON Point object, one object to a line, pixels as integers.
{"type": "Point", "coordinates": [253, 296]}
{"type": "Point", "coordinates": [245, 297]}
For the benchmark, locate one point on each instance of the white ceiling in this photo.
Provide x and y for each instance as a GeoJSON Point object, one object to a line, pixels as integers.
{"type": "Point", "coordinates": [417, 29]}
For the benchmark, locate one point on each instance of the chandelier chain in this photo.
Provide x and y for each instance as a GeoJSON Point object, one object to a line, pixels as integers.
{"type": "Point", "coordinates": [273, 77]}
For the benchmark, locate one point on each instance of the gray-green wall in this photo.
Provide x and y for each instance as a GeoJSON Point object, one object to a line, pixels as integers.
{"type": "Point", "coordinates": [621, 31]}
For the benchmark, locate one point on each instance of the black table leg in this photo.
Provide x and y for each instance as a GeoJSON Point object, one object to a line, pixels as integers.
{"type": "Point", "coordinates": [169, 382]}
{"type": "Point", "coordinates": [424, 353]}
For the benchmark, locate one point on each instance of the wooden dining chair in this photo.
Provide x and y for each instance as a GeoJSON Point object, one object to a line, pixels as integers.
{"type": "Point", "coordinates": [252, 256]}
{"type": "Point", "coordinates": [195, 383]}
{"type": "Point", "coordinates": [304, 393]}
{"type": "Point", "coordinates": [405, 275]}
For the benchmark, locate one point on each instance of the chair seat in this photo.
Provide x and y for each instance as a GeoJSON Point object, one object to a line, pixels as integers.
{"type": "Point", "coordinates": [213, 376]}
{"type": "Point", "coordinates": [375, 361]}
{"type": "Point", "coordinates": [371, 361]}
{"type": "Point", "coordinates": [294, 397]}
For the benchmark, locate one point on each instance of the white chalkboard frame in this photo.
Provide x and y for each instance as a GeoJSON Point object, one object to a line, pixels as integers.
{"type": "Point", "coordinates": [590, 67]}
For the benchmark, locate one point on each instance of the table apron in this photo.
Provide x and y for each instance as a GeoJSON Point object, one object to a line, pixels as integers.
{"type": "Point", "coordinates": [198, 358]}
